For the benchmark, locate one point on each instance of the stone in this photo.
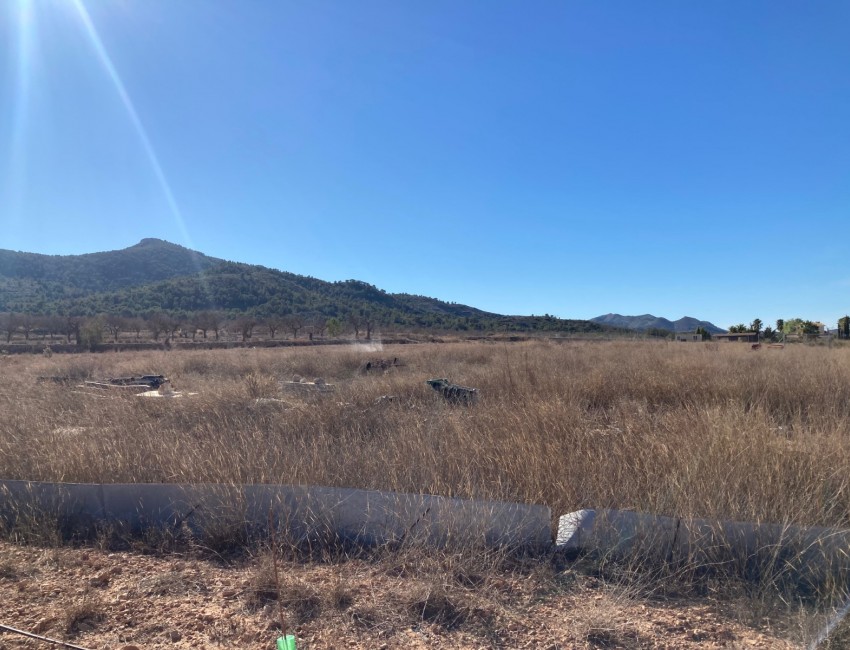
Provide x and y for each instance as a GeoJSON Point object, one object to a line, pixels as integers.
{"type": "Point", "coordinates": [44, 624]}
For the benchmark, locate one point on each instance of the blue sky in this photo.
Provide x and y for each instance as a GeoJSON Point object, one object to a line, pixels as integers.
{"type": "Point", "coordinates": [571, 158]}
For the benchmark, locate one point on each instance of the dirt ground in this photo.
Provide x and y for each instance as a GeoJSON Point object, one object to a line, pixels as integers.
{"type": "Point", "coordinates": [108, 600]}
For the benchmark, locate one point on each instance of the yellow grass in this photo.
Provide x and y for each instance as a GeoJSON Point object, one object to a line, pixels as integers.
{"type": "Point", "coordinates": [712, 430]}
{"type": "Point", "coordinates": [692, 430]}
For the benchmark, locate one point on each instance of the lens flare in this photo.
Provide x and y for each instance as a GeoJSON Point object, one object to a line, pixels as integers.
{"type": "Point", "coordinates": [106, 61]}
{"type": "Point", "coordinates": [16, 179]}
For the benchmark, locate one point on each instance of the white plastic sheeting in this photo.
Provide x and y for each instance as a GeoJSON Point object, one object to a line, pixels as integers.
{"type": "Point", "coordinates": [810, 556]}
{"type": "Point", "coordinates": [301, 513]}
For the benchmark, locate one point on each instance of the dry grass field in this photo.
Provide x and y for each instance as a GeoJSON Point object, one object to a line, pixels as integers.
{"type": "Point", "coordinates": [702, 430]}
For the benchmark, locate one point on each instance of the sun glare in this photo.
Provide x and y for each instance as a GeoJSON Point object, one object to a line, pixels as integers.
{"type": "Point", "coordinates": [16, 179]}
{"type": "Point", "coordinates": [106, 61]}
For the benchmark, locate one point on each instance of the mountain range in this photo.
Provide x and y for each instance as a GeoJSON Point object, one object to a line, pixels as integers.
{"type": "Point", "coordinates": [158, 276]}
{"type": "Point", "coordinates": [650, 322]}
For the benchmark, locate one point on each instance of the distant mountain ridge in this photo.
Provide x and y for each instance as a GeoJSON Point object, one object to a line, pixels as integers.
{"type": "Point", "coordinates": [151, 260]}
{"type": "Point", "coordinates": [158, 276]}
{"type": "Point", "coordinates": [648, 321]}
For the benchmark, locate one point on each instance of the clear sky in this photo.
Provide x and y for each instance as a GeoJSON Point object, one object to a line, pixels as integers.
{"type": "Point", "coordinates": [572, 157]}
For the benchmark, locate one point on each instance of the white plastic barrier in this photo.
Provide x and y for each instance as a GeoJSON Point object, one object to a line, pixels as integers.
{"type": "Point", "coordinates": [301, 513]}
{"type": "Point", "coordinates": [811, 556]}
{"type": "Point", "coordinates": [617, 533]}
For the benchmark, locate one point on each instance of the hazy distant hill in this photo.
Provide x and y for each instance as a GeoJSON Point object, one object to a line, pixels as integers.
{"type": "Point", "coordinates": [648, 321]}
{"type": "Point", "coordinates": [155, 275]}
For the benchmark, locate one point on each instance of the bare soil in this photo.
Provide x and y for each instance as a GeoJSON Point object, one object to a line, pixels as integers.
{"type": "Point", "coordinates": [112, 600]}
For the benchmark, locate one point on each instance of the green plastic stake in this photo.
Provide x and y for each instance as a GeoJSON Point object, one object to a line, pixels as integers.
{"type": "Point", "coordinates": [286, 642]}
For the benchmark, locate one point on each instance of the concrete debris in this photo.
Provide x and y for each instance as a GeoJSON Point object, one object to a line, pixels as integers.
{"type": "Point", "coordinates": [453, 392]}
{"type": "Point", "coordinates": [318, 385]}
{"type": "Point", "coordinates": [151, 381]}
{"type": "Point", "coordinates": [146, 382]}
{"type": "Point", "coordinates": [131, 388]}
{"type": "Point", "coordinates": [164, 392]}
{"type": "Point", "coordinates": [380, 365]}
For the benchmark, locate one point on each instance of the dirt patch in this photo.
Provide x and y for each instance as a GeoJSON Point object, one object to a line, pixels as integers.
{"type": "Point", "coordinates": [112, 600]}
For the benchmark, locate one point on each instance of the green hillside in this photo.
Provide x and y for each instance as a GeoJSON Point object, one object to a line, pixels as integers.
{"type": "Point", "coordinates": [36, 283]}
{"type": "Point", "coordinates": [157, 276]}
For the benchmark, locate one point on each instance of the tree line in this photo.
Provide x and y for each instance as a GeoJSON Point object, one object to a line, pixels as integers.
{"type": "Point", "coordinates": [797, 327]}
{"type": "Point", "coordinates": [165, 327]}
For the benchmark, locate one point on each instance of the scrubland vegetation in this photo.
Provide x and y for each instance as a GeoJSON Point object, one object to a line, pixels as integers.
{"type": "Point", "coordinates": [693, 430]}
{"type": "Point", "coordinates": [690, 430]}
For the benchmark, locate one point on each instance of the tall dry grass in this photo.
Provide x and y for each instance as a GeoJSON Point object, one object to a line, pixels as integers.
{"type": "Point", "coordinates": [711, 430]}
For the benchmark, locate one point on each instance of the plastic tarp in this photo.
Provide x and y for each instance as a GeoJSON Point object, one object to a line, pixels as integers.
{"type": "Point", "coordinates": [300, 513]}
